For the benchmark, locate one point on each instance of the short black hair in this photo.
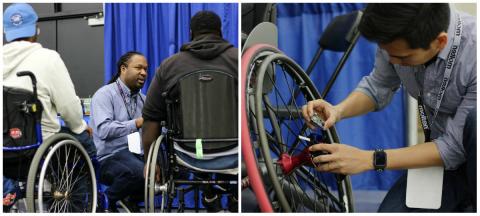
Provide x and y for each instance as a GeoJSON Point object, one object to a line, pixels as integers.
{"type": "Point", "coordinates": [204, 22]}
{"type": "Point", "coordinates": [418, 23]}
{"type": "Point", "coordinates": [123, 61]}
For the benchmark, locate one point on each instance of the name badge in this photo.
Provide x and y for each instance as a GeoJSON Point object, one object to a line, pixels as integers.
{"type": "Point", "coordinates": [134, 143]}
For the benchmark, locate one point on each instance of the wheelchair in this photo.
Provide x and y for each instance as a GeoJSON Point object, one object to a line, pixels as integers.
{"type": "Point", "coordinates": [201, 116]}
{"type": "Point", "coordinates": [58, 172]}
{"type": "Point", "coordinates": [275, 138]}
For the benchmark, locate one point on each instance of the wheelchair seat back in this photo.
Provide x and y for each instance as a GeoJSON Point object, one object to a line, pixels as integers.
{"type": "Point", "coordinates": [21, 112]}
{"type": "Point", "coordinates": [203, 105]}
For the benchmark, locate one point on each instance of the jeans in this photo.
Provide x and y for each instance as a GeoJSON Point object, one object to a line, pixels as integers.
{"type": "Point", "coordinates": [85, 139]}
{"type": "Point", "coordinates": [470, 146]}
{"type": "Point", "coordinates": [123, 173]}
{"type": "Point", "coordinates": [459, 186]}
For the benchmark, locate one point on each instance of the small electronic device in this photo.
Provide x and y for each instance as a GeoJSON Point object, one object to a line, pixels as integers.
{"type": "Point", "coordinates": [317, 121]}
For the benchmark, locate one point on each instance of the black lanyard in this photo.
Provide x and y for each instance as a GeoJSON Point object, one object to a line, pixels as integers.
{"type": "Point", "coordinates": [452, 55]}
{"type": "Point", "coordinates": [130, 116]}
{"type": "Point", "coordinates": [424, 119]}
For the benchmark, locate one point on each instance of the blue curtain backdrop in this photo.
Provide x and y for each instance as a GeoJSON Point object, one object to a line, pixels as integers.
{"type": "Point", "coordinates": [157, 30]}
{"type": "Point", "coordinates": [300, 27]}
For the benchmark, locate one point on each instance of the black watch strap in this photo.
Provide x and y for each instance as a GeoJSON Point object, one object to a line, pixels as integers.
{"type": "Point", "coordinates": [379, 160]}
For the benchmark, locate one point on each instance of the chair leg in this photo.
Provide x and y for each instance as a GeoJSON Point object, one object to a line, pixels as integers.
{"type": "Point", "coordinates": [196, 199]}
{"type": "Point", "coordinates": [181, 200]}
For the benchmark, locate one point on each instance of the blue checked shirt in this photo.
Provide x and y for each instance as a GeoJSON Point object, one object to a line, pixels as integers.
{"type": "Point", "coordinates": [109, 118]}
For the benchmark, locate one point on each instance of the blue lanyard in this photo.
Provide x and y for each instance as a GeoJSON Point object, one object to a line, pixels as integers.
{"type": "Point", "coordinates": [130, 116]}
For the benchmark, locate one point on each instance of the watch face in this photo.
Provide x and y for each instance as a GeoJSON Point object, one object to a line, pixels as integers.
{"type": "Point", "coordinates": [380, 159]}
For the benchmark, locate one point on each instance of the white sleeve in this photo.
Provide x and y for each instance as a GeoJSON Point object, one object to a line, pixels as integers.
{"type": "Point", "coordinates": [63, 96]}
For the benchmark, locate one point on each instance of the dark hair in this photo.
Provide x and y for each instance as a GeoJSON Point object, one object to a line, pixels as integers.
{"type": "Point", "coordinates": [205, 22]}
{"type": "Point", "coordinates": [418, 24]}
{"type": "Point", "coordinates": [123, 61]}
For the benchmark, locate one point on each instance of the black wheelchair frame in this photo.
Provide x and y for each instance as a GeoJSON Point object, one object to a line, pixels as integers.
{"type": "Point", "coordinates": [172, 180]}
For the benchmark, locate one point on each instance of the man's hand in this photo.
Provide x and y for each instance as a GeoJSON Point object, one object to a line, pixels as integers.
{"type": "Point", "coordinates": [343, 159]}
{"type": "Point", "coordinates": [329, 113]}
{"type": "Point", "coordinates": [139, 122]}
{"type": "Point", "coordinates": [157, 172]}
{"type": "Point", "coordinates": [89, 131]}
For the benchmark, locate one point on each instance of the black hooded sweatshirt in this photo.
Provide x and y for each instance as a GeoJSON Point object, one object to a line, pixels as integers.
{"type": "Point", "coordinates": [204, 52]}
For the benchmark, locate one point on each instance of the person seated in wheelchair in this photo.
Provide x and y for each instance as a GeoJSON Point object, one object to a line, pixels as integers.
{"type": "Point", "coordinates": [207, 51]}
{"type": "Point", "coordinates": [56, 92]}
{"type": "Point", "coordinates": [55, 88]}
{"type": "Point", "coordinates": [116, 119]}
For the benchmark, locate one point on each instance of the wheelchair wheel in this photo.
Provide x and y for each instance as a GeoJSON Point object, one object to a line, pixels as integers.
{"type": "Point", "coordinates": [250, 59]}
{"type": "Point", "coordinates": [156, 157]}
{"type": "Point", "coordinates": [61, 177]}
{"type": "Point", "coordinates": [272, 81]}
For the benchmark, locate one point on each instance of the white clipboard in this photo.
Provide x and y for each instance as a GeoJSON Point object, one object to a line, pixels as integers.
{"type": "Point", "coordinates": [424, 188]}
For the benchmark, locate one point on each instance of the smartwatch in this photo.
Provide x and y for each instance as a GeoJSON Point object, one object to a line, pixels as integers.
{"type": "Point", "coordinates": [379, 160]}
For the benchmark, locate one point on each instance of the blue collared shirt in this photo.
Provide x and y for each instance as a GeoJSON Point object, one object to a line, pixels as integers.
{"type": "Point", "coordinates": [460, 95]}
{"type": "Point", "coordinates": [110, 120]}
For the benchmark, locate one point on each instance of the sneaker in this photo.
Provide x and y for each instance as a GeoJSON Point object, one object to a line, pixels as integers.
{"type": "Point", "coordinates": [232, 203]}
{"type": "Point", "coordinates": [131, 205]}
{"type": "Point", "coordinates": [212, 204]}
{"type": "Point", "coordinates": [112, 206]}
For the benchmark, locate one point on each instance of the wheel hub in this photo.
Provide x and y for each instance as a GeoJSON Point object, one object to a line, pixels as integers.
{"type": "Point", "coordinates": [160, 188]}
{"type": "Point", "coordinates": [61, 195]}
{"type": "Point", "coordinates": [289, 163]}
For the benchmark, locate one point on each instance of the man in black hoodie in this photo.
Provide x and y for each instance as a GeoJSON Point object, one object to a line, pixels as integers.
{"type": "Point", "coordinates": [207, 50]}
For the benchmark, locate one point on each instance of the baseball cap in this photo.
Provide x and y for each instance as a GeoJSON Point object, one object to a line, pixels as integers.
{"type": "Point", "coordinates": [19, 21]}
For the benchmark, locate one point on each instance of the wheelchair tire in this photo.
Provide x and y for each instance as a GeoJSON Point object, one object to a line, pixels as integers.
{"type": "Point", "coordinates": [72, 184]}
{"type": "Point", "coordinates": [155, 156]}
{"type": "Point", "coordinates": [251, 162]}
{"type": "Point", "coordinates": [293, 183]}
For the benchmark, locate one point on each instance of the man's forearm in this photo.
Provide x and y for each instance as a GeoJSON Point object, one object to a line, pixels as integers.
{"type": "Point", "coordinates": [417, 156]}
{"type": "Point", "coordinates": [357, 103]}
{"type": "Point", "coordinates": [150, 132]}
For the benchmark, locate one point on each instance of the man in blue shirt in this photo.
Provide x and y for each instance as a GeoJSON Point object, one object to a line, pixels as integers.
{"type": "Point", "coordinates": [431, 50]}
{"type": "Point", "coordinates": [116, 113]}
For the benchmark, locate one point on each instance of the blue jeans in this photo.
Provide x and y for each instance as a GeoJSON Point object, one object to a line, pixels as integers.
{"type": "Point", "coordinates": [459, 186]}
{"type": "Point", "coordinates": [123, 173]}
{"type": "Point", "coordinates": [84, 139]}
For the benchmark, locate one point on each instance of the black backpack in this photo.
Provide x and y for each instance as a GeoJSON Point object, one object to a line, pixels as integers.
{"type": "Point", "coordinates": [21, 112]}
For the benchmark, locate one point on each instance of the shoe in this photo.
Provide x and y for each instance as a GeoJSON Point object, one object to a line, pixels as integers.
{"type": "Point", "coordinates": [112, 206]}
{"type": "Point", "coordinates": [232, 204]}
{"type": "Point", "coordinates": [212, 204]}
{"type": "Point", "coordinates": [131, 205]}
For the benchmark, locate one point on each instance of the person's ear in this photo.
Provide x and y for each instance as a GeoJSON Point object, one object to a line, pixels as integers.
{"type": "Point", "coordinates": [123, 68]}
{"type": "Point", "coordinates": [441, 40]}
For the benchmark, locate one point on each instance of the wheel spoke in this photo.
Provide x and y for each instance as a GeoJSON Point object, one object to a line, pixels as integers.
{"type": "Point", "coordinates": [306, 188]}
